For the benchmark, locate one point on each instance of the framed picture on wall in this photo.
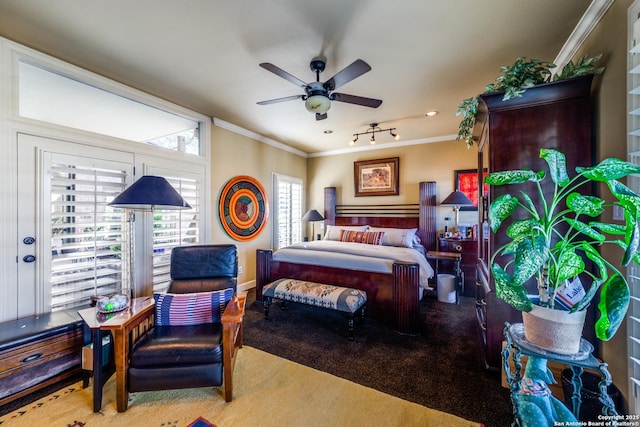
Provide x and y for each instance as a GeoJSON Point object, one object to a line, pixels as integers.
{"type": "Point", "coordinates": [377, 177]}
{"type": "Point", "coordinates": [466, 181]}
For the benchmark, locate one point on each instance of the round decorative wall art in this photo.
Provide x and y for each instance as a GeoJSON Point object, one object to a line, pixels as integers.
{"type": "Point", "coordinates": [243, 208]}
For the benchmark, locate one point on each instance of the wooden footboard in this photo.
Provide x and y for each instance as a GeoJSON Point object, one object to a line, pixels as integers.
{"type": "Point", "coordinates": [391, 298]}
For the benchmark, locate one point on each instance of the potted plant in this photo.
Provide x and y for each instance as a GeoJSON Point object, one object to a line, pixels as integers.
{"type": "Point", "coordinates": [516, 79]}
{"type": "Point", "coordinates": [551, 240]}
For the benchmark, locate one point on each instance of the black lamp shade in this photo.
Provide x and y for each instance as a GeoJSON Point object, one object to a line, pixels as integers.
{"type": "Point", "coordinates": [457, 198]}
{"type": "Point", "coordinates": [150, 192]}
{"type": "Point", "coordinates": [312, 215]}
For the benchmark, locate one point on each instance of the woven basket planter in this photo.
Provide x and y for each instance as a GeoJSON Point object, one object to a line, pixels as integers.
{"type": "Point", "coordinates": [555, 330]}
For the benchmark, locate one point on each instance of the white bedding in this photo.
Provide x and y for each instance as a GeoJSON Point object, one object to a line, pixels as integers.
{"type": "Point", "coordinates": [357, 256]}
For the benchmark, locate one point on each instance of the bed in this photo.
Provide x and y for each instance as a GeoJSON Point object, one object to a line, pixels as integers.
{"type": "Point", "coordinates": [391, 276]}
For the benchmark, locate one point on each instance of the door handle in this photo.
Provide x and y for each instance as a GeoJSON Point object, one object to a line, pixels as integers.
{"type": "Point", "coordinates": [29, 258]}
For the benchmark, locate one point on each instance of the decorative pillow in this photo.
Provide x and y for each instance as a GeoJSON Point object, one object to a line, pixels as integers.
{"type": "Point", "coordinates": [397, 236]}
{"type": "Point", "coordinates": [191, 309]}
{"type": "Point", "coordinates": [368, 237]}
{"type": "Point", "coordinates": [333, 231]}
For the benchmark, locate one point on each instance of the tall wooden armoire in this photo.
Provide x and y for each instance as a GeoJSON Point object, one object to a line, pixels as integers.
{"type": "Point", "coordinates": [509, 135]}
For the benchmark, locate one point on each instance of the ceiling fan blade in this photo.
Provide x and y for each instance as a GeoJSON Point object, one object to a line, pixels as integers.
{"type": "Point", "coordinates": [280, 72]}
{"type": "Point", "coordinates": [286, 98]}
{"type": "Point", "coordinates": [321, 116]}
{"type": "Point", "coordinates": [350, 72]}
{"type": "Point", "coordinates": [359, 100]}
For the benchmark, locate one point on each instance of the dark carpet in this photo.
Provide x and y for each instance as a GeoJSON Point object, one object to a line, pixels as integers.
{"type": "Point", "coordinates": [441, 369]}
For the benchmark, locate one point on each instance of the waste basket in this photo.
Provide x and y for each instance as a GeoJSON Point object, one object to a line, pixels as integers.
{"type": "Point", "coordinates": [590, 406]}
{"type": "Point", "coordinates": [446, 288]}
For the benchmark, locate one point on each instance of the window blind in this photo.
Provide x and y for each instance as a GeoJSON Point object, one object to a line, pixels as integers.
{"type": "Point", "coordinates": [633, 149]}
{"type": "Point", "coordinates": [173, 228]}
{"type": "Point", "coordinates": [288, 196]}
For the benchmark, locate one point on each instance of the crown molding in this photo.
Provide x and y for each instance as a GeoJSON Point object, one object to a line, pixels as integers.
{"type": "Point", "coordinates": [256, 136]}
{"type": "Point", "coordinates": [587, 23]}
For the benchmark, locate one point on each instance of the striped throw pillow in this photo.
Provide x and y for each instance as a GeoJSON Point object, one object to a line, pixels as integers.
{"type": "Point", "coordinates": [191, 309]}
{"type": "Point", "coordinates": [368, 237]}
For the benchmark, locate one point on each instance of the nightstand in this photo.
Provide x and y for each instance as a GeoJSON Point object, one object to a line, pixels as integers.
{"type": "Point", "coordinates": [468, 249]}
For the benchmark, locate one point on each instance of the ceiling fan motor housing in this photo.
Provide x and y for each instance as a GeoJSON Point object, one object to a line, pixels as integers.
{"type": "Point", "coordinates": [317, 65]}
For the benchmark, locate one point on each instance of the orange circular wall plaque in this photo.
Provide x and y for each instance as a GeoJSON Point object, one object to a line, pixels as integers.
{"type": "Point", "coordinates": [243, 208]}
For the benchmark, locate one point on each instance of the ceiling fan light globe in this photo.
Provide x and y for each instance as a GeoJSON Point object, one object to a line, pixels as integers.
{"type": "Point", "coordinates": [318, 104]}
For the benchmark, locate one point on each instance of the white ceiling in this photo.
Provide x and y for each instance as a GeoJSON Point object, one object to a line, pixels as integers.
{"type": "Point", "coordinates": [204, 55]}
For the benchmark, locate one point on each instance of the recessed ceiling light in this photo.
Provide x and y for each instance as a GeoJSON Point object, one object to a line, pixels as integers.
{"type": "Point", "coordinates": [328, 131]}
{"type": "Point", "coordinates": [431, 113]}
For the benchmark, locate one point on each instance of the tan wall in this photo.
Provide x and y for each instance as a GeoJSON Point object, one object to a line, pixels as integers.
{"type": "Point", "coordinates": [234, 155]}
{"type": "Point", "coordinates": [424, 162]}
{"type": "Point", "coordinates": [610, 39]}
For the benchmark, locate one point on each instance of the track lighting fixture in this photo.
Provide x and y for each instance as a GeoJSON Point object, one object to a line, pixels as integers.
{"type": "Point", "coordinates": [373, 128]}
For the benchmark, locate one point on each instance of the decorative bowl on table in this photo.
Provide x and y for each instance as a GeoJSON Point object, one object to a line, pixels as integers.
{"type": "Point", "coordinates": [112, 304]}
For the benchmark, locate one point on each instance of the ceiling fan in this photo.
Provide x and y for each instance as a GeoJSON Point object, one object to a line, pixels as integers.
{"type": "Point", "coordinates": [318, 96]}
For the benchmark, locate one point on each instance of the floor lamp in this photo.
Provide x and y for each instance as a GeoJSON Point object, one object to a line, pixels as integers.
{"type": "Point", "coordinates": [313, 216]}
{"type": "Point", "coordinates": [146, 194]}
{"type": "Point", "coordinates": [457, 199]}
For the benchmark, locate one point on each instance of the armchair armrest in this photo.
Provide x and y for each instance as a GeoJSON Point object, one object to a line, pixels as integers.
{"type": "Point", "coordinates": [231, 339]}
{"type": "Point", "coordinates": [234, 311]}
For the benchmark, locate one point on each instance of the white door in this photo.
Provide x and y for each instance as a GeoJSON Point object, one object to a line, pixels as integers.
{"type": "Point", "coordinates": [69, 241]}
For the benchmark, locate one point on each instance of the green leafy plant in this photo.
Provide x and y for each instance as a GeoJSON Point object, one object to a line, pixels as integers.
{"type": "Point", "coordinates": [520, 76]}
{"type": "Point", "coordinates": [583, 67]}
{"type": "Point", "coordinates": [557, 235]}
{"type": "Point", "coordinates": [516, 79]}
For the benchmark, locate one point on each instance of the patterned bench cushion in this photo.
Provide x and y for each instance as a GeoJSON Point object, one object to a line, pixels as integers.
{"type": "Point", "coordinates": [322, 295]}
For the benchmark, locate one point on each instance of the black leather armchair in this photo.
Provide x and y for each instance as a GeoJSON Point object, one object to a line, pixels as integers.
{"type": "Point", "coordinates": [200, 355]}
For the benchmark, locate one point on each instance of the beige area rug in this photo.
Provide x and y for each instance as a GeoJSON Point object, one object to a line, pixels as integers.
{"type": "Point", "coordinates": [269, 391]}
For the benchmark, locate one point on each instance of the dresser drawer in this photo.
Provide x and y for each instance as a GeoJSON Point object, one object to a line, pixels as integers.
{"type": "Point", "coordinates": [35, 353]}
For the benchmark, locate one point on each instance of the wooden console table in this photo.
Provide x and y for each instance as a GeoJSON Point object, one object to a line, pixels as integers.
{"type": "Point", "coordinates": [136, 319]}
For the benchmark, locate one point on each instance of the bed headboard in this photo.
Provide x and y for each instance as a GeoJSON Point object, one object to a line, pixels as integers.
{"type": "Point", "coordinates": [421, 215]}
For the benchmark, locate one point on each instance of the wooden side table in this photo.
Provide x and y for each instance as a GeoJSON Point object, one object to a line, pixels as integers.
{"type": "Point", "coordinates": [137, 318]}
{"type": "Point", "coordinates": [449, 256]}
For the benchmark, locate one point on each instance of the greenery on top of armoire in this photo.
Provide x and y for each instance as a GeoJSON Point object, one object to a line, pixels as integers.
{"type": "Point", "coordinates": [516, 79]}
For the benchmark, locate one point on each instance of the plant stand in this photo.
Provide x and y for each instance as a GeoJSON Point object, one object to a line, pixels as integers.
{"type": "Point", "coordinates": [514, 334]}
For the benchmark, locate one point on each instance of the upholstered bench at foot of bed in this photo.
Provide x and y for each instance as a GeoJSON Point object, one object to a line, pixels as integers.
{"type": "Point", "coordinates": [347, 300]}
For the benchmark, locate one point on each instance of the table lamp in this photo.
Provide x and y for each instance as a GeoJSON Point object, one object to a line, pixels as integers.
{"type": "Point", "coordinates": [456, 199]}
{"type": "Point", "coordinates": [313, 216]}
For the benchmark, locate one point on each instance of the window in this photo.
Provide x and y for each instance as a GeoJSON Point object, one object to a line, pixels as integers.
{"type": "Point", "coordinates": [287, 196]}
{"type": "Point", "coordinates": [55, 98]}
{"type": "Point", "coordinates": [173, 228]}
{"type": "Point", "coordinates": [633, 148]}
{"type": "Point", "coordinates": [67, 157]}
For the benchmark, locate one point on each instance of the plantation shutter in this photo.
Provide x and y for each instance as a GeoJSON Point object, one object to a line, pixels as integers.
{"type": "Point", "coordinates": [173, 228]}
{"type": "Point", "coordinates": [87, 236]}
{"type": "Point", "coordinates": [287, 204]}
{"type": "Point", "coordinates": [633, 148]}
